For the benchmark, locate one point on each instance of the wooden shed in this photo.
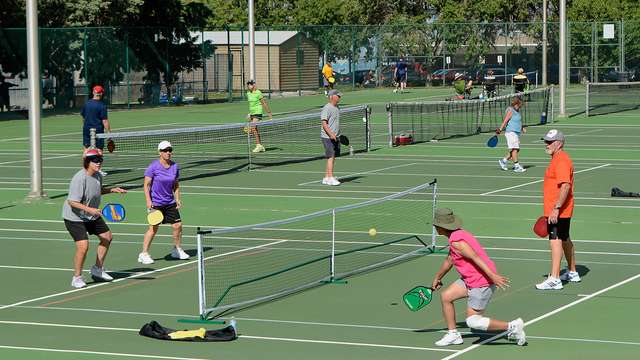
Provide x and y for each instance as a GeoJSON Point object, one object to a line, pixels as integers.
{"type": "Point", "coordinates": [285, 60]}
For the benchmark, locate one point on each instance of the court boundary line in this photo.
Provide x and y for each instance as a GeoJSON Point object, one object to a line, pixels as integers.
{"type": "Point", "coordinates": [254, 337]}
{"type": "Point", "coordinates": [544, 316]}
{"type": "Point", "coordinates": [72, 351]}
{"type": "Point", "coordinates": [359, 173]}
{"type": "Point", "coordinates": [541, 180]}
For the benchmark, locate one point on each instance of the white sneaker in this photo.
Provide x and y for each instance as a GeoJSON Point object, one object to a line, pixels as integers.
{"type": "Point", "coordinates": [519, 169]}
{"type": "Point", "coordinates": [550, 284]}
{"type": "Point", "coordinates": [516, 332]}
{"type": "Point", "coordinates": [258, 148]}
{"type": "Point", "coordinates": [570, 276]}
{"type": "Point", "coordinates": [333, 181]}
{"type": "Point", "coordinates": [178, 253]}
{"type": "Point", "coordinates": [503, 164]}
{"type": "Point", "coordinates": [145, 258]}
{"type": "Point", "coordinates": [325, 181]}
{"type": "Point", "coordinates": [77, 282]}
{"type": "Point", "coordinates": [100, 274]}
{"type": "Point", "coordinates": [450, 338]}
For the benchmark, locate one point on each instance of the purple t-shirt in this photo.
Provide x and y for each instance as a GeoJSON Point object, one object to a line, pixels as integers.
{"type": "Point", "coordinates": [162, 182]}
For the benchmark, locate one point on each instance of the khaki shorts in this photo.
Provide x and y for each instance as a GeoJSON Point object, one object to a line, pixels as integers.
{"type": "Point", "coordinates": [513, 140]}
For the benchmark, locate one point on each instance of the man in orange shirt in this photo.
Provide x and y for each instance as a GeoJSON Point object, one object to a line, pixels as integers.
{"type": "Point", "coordinates": [558, 208]}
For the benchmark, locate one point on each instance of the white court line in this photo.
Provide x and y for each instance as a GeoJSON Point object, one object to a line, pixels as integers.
{"type": "Point", "coordinates": [541, 180]}
{"type": "Point", "coordinates": [544, 316]}
{"type": "Point", "coordinates": [53, 269]}
{"type": "Point", "coordinates": [71, 351]}
{"type": "Point", "coordinates": [133, 276]}
{"type": "Point", "coordinates": [361, 173]}
{"type": "Point", "coordinates": [46, 158]}
{"type": "Point", "coordinates": [240, 336]}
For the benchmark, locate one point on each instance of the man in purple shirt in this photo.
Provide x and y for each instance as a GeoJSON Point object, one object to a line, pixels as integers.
{"type": "Point", "coordinates": [162, 191]}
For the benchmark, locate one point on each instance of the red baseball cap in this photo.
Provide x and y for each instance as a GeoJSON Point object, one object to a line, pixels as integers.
{"type": "Point", "coordinates": [91, 153]}
{"type": "Point", "coordinates": [98, 89]}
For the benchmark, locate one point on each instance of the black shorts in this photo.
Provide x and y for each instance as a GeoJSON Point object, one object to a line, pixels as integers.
{"type": "Point", "coordinates": [331, 148]}
{"type": "Point", "coordinates": [170, 213]}
{"type": "Point", "coordinates": [255, 117]}
{"type": "Point", "coordinates": [86, 139]}
{"type": "Point", "coordinates": [559, 230]}
{"type": "Point", "coordinates": [79, 229]}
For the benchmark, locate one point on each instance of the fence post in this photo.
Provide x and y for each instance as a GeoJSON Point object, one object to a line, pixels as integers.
{"type": "Point", "coordinates": [269, 63]}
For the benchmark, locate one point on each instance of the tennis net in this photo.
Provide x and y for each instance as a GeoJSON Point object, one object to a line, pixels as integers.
{"type": "Point", "coordinates": [433, 120]}
{"type": "Point", "coordinates": [219, 149]}
{"type": "Point", "coordinates": [613, 97]}
{"type": "Point", "coordinates": [245, 265]}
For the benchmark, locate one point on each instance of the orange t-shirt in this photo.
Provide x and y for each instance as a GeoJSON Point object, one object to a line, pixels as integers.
{"type": "Point", "coordinates": [560, 171]}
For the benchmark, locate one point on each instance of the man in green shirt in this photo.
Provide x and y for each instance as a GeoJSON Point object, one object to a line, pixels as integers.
{"type": "Point", "coordinates": [257, 105]}
{"type": "Point", "coordinates": [462, 87]}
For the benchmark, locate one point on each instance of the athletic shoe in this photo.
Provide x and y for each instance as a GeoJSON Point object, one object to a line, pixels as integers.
{"type": "Point", "coordinates": [503, 164]}
{"type": "Point", "coordinates": [450, 338]}
{"type": "Point", "coordinates": [258, 148]}
{"type": "Point", "coordinates": [518, 168]}
{"type": "Point", "coordinates": [333, 181]}
{"type": "Point", "coordinates": [178, 253]}
{"type": "Point", "coordinates": [516, 332]}
{"type": "Point", "coordinates": [325, 181]}
{"type": "Point", "coordinates": [233, 324]}
{"type": "Point", "coordinates": [550, 284]}
{"type": "Point", "coordinates": [77, 282]}
{"type": "Point", "coordinates": [145, 258]}
{"type": "Point", "coordinates": [570, 276]}
{"type": "Point", "coordinates": [98, 273]}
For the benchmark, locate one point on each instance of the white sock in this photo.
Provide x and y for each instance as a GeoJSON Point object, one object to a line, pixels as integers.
{"type": "Point", "coordinates": [504, 159]}
{"type": "Point", "coordinates": [454, 331]}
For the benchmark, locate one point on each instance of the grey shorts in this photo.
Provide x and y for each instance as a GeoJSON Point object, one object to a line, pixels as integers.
{"type": "Point", "coordinates": [331, 148]}
{"type": "Point", "coordinates": [478, 297]}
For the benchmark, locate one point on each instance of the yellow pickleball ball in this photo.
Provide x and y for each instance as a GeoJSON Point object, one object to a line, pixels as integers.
{"type": "Point", "coordinates": [373, 232]}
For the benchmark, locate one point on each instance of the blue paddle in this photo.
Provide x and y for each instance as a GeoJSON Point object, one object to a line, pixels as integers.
{"type": "Point", "coordinates": [493, 141]}
{"type": "Point", "coordinates": [113, 212]}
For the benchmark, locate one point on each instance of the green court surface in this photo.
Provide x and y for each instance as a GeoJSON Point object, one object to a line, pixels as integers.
{"type": "Point", "coordinates": [42, 317]}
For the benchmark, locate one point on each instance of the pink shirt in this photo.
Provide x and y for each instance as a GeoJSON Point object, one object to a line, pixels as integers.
{"type": "Point", "coordinates": [470, 273]}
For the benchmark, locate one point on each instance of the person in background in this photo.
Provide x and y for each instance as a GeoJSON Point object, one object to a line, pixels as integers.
{"type": "Point", "coordinates": [328, 77]}
{"type": "Point", "coordinates": [94, 116]}
{"type": "Point", "coordinates": [330, 117]}
{"type": "Point", "coordinates": [400, 76]}
{"type": "Point", "coordinates": [462, 87]}
{"type": "Point", "coordinates": [5, 98]}
{"type": "Point", "coordinates": [520, 81]}
{"type": "Point", "coordinates": [257, 106]}
{"type": "Point", "coordinates": [512, 126]}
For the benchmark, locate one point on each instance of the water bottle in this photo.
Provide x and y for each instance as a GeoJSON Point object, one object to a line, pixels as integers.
{"type": "Point", "coordinates": [350, 150]}
{"type": "Point", "coordinates": [543, 118]}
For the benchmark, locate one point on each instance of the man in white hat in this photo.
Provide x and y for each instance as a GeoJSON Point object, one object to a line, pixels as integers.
{"type": "Point", "coordinates": [462, 87]}
{"type": "Point", "coordinates": [477, 282]}
{"type": "Point", "coordinates": [558, 208]}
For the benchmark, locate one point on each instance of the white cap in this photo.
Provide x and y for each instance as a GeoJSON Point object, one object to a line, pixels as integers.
{"type": "Point", "coordinates": [163, 145]}
{"type": "Point", "coordinates": [553, 135]}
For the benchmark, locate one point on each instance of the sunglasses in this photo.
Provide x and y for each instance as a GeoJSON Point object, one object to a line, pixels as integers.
{"type": "Point", "coordinates": [96, 159]}
{"type": "Point", "coordinates": [167, 150]}
{"type": "Point", "coordinates": [549, 142]}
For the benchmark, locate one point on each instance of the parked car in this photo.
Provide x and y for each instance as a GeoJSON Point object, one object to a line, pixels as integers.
{"type": "Point", "coordinates": [446, 74]}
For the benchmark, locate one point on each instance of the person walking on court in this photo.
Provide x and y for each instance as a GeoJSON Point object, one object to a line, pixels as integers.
{"type": "Point", "coordinates": [328, 78]}
{"type": "Point", "coordinates": [512, 126]}
{"type": "Point", "coordinates": [558, 205]}
{"type": "Point", "coordinates": [329, 133]}
{"type": "Point", "coordinates": [5, 97]}
{"type": "Point", "coordinates": [257, 106]}
{"type": "Point", "coordinates": [94, 116]}
{"type": "Point", "coordinates": [162, 191]}
{"type": "Point", "coordinates": [400, 76]}
{"type": "Point", "coordinates": [478, 281]}
{"type": "Point", "coordinates": [82, 217]}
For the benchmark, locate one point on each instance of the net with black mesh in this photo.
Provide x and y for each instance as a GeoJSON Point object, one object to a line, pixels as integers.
{"type": "Point", "coordinates": [219, 149]}
{"type": "Point", "coordinates": [433, 120]}
{"type": "Point", "coordinates": [245, 265]}
{"type": "Point", "coordinates": [613, 97]}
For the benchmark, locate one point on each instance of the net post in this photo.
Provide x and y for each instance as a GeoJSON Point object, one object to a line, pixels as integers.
{"type": "Point", "coordinates": [433, 214]}
{"type": "Point", "coordinates": [390, 124]}
{"type": "Point", "coordinates": [586, 106]}
{"type": "Point", "coordinates": [92, 136]}
{"type": "Point", "coordinates": [249, 156]}
{"type": "Point", "coordinates": [332, 259]}
{"type": "Point", "coordinates": [367, 114]}
{"type": "Point", "coordinates": [201, 284]}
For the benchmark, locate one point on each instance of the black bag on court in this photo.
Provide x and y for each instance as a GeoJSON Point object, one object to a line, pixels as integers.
{"type": "Point", "coordinates": [157, 331]}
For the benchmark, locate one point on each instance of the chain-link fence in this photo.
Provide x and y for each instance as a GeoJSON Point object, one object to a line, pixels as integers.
{"type": "Point", "coordinates": [158, 66]}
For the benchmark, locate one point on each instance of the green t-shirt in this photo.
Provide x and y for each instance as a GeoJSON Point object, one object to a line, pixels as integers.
{"type": "Point", "coordinates": [255, 105]}
{"type": "Point", "coordinates": [459, 85]}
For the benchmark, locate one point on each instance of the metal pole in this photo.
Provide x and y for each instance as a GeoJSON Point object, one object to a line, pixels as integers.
{"type": "Point", "coordinates": [563, 57]}
{"type": "Point", "coordinates": [544, 43]}
{"type": "Point", "coordinates": [33, 70]}
{"type": "Point", "coordinates": [252, 43]}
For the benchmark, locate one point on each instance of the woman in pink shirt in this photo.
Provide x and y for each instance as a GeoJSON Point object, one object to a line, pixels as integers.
{"type": "Point", "coordinates": [477, 283]}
